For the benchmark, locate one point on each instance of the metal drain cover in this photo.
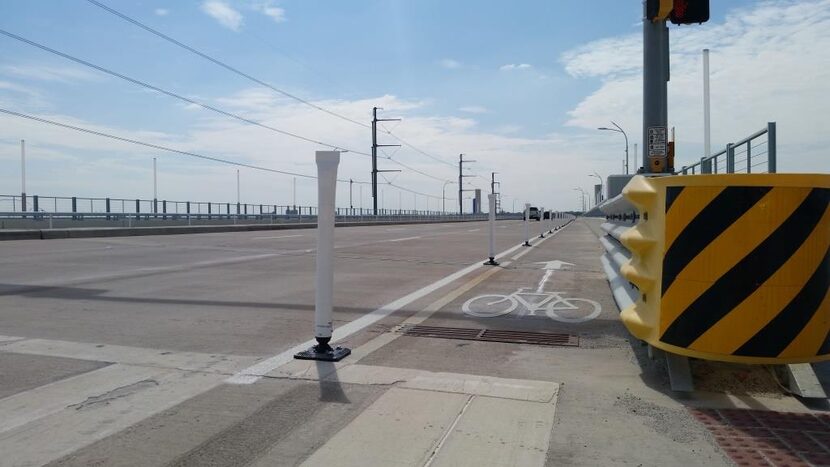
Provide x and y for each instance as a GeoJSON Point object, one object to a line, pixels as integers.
{"type": "Point", "coordinates": [492, 335]}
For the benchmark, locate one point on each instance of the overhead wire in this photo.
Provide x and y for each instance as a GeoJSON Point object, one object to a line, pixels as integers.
{"type": "Point", "coordinates": [223, 64]}
{"type": "Point", "coordinates": [252, 78]}
{"type": "Point", "coordinates": [174, 95]}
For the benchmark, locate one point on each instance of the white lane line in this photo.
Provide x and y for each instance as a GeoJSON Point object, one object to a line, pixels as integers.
{"type": "Point", "coordinates": [473, 230]}
{"type": "Point", "coordinates": [280, 236]}
{"type": "Point", "coordinates": [527, 250]}
{"type": "Point", "coordinates": [544, 279]}
{"type": "Point", "coordinates": [255, 372]}
{"type": "Point", "coordinates": [403, 239]}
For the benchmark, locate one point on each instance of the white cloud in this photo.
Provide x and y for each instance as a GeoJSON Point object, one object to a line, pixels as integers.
{"type": "Point", "coordinates": [161, 11]}
{"type": "Point", "coordinates": [474, 109]}
{"type": "Point", "coordinates": [267, 8]}
{"type": "Point", "coordinates": [515, 66]}
{"type": "Point", "coordinates": [449, 63]}
{"type": "Point", "coordinates": [557, 163]}
{"type": "Point", "coordinates": [768, 63]}
{"type": "Point", "coordinates": [65, 74]}
{"type": "Point", "coordinates": [224, 13]}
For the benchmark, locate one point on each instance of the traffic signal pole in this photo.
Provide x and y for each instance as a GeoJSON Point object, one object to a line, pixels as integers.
{"type": "Point", "coordinates": [655, 94]}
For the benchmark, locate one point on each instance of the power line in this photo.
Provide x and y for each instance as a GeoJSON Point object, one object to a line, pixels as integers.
{"type": "Point", "coordinates": [149, 145]}
{"type": "Point", "coordinates": [172, 94]}
{"type": "Point", "coordinates": [261, 82]}
{"type": "Point", "coordinates": [160, 147]}
{"type": "Point", "coordinates": [223, 64]}
{"type": "Point", "coordinates": [410, 146]}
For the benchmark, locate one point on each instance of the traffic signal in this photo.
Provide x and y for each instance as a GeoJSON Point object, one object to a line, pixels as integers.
{"type": "Point", "coordinates": [690, 11]}
{"type": "Point", "coordinates": [678, 11]}
{"type": "Point", "coordinates": [658, 10]}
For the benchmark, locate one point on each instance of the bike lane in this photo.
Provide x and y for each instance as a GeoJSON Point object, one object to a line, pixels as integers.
{"type": "Point", "coordinates": [613, 406]}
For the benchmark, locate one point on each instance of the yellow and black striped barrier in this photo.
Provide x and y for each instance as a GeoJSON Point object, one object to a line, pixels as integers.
{"type": "Point", "coordinates": [732, 267]}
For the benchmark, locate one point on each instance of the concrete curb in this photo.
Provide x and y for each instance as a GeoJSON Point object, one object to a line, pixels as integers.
{"type": "Point", "coordinates": [95, 232]}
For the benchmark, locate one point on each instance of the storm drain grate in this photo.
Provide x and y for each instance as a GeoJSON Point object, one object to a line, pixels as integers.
{"type": "Point", "coordinates": [492, 335]}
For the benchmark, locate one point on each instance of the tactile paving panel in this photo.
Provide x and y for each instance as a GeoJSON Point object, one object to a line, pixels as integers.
{"type": "Point", "coordinates": [765, 438]}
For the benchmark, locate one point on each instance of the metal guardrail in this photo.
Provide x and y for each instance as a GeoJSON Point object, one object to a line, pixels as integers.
{"type": "Point", "coordinates": [51, 220]}
{"type": "Point", "coordinates": [64, 208]}
{"type": "Point", "coordinates": [745, 156]}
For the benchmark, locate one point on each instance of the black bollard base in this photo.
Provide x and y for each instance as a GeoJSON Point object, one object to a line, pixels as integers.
{"type": "Point", "coordinates": [323, 352]}
{"type": "Point", "coordinates": [526, 243]}
{"type": "Point", "coordinates": [491, 262]}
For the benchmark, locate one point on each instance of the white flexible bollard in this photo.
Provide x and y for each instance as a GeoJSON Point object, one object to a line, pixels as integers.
{"type": "Point", "coordinates": [550, 222]}
{"type": "Point", "coordinates": [527, 224]}
{"type": "Point", "coordinates": [542, 222]}
{"type": "Point", "coordinates": [327, 162]}
{"type": "Point", "coordinates": [492, 224]}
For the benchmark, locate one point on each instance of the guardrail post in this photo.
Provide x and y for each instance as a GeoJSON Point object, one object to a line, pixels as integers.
{"type": "Point", "coordinates": [772, 163]}
{"type": "Point", "coordinates": [749, 157]}
{"type": "Point", "coordinates": [155, 207]}
{"type": "Point", "coordinates": [74, 208]}
{"type": "Point", "coordinates": [730, 158]}
{"type": "Point", "coordinates": [705, 166]}
{"type": "Point", "coordinates": [187, 207]}
{"type": "Point", "coordinates": [137, 209]}
{"type": "Point", "coordinates": [327, 162]}
{"type": "Point", "coordinates": [107, 207]}
{"type": "Point", "coordinates": [164, 209]}
{"type": "Point", "coordinates": [35, 204]}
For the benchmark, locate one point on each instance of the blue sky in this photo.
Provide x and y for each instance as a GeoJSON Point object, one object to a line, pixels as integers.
{"type": "Point", "coordinates": [519, 87]}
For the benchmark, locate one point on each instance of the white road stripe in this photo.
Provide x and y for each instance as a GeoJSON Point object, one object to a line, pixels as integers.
{"type": "Point", "coordinates": [279, 236]}
{"type": "Point", "coordinates": [255, 372]}
{"type": "Point", "coordinates": [403, 239]}
{"type": "Point", "coordinates": [473, 230]}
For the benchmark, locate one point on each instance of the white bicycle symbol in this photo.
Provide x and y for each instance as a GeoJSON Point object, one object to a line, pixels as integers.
{"type": "Point", "coordinates": [557, 307]}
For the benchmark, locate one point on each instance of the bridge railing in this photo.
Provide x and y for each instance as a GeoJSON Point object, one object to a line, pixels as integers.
{"type": "Point", "coordinates": [754, 154]}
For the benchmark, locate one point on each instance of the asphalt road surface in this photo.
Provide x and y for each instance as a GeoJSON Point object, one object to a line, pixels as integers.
{"type": "Point", "coordinates": [177, 350]}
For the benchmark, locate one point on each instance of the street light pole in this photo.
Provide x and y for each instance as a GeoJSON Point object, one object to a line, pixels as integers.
{"type": "Point", "coordinates": [619, 130]}
{"type": "Point", "coordinates": [444, 196]}
{"type": "Point", "coordinates": [601, 190]}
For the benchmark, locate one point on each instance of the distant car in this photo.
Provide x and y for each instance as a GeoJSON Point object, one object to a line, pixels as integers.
{"type": "Point", "coordinates": [534, 213]}
{"type": "Point", "coordinates": [547, 214]}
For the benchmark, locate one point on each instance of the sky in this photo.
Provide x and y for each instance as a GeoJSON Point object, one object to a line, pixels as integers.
{"type": "Point", "coordinates": [519, 87]}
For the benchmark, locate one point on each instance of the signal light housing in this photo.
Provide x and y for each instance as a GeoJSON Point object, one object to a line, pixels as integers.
{"type": "Point", "coordinates": [690, 12]}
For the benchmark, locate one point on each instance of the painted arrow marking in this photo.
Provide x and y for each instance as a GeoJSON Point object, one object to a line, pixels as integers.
{"type": "Point", "coordinates": [550, 267]}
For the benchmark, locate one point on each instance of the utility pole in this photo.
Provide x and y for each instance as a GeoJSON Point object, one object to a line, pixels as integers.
{"type": "Point", "coordinates": [461, 177]}
{"type": "Point", "coordinates": [295, 193]}
{"type": "Point", "coordinates": [23, 174]}
{"type": "Point", "coordinates": [375, 147]}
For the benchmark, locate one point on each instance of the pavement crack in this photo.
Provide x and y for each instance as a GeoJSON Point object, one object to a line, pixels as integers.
{"type": "Point", "coordinates": [117, 393]}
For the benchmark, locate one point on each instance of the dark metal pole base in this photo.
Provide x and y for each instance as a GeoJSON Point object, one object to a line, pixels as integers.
{"type": "Point", "coordinates": [526, 243]}
{"type": "Point", "coordinates": [323, 352]}
{"type": "Point", "coordinates": [542, 236]}
{"type": "Point", "coordinates": [491, 262]}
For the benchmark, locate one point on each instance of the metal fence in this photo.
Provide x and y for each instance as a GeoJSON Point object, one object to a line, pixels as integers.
{"type": "Point", "coordinates": [34, 211]}
{"type": "Point", "coordinates": [748, 155]}
{"type": "Point", "coordinates": [166, 208]}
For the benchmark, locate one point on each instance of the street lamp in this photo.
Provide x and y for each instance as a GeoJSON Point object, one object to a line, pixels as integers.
{"type": "Point", "coordinates": [619, 130]}
{"type": "Point", "coordinates": [444, 196]}
{"type": "Point", "coordinates": [601, 191]}
{"type": "Point", "coordinates": [581, 191]}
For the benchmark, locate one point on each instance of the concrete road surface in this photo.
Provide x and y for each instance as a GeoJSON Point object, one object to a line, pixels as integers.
{"type": "Point", "coordinates": [177, 350]}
